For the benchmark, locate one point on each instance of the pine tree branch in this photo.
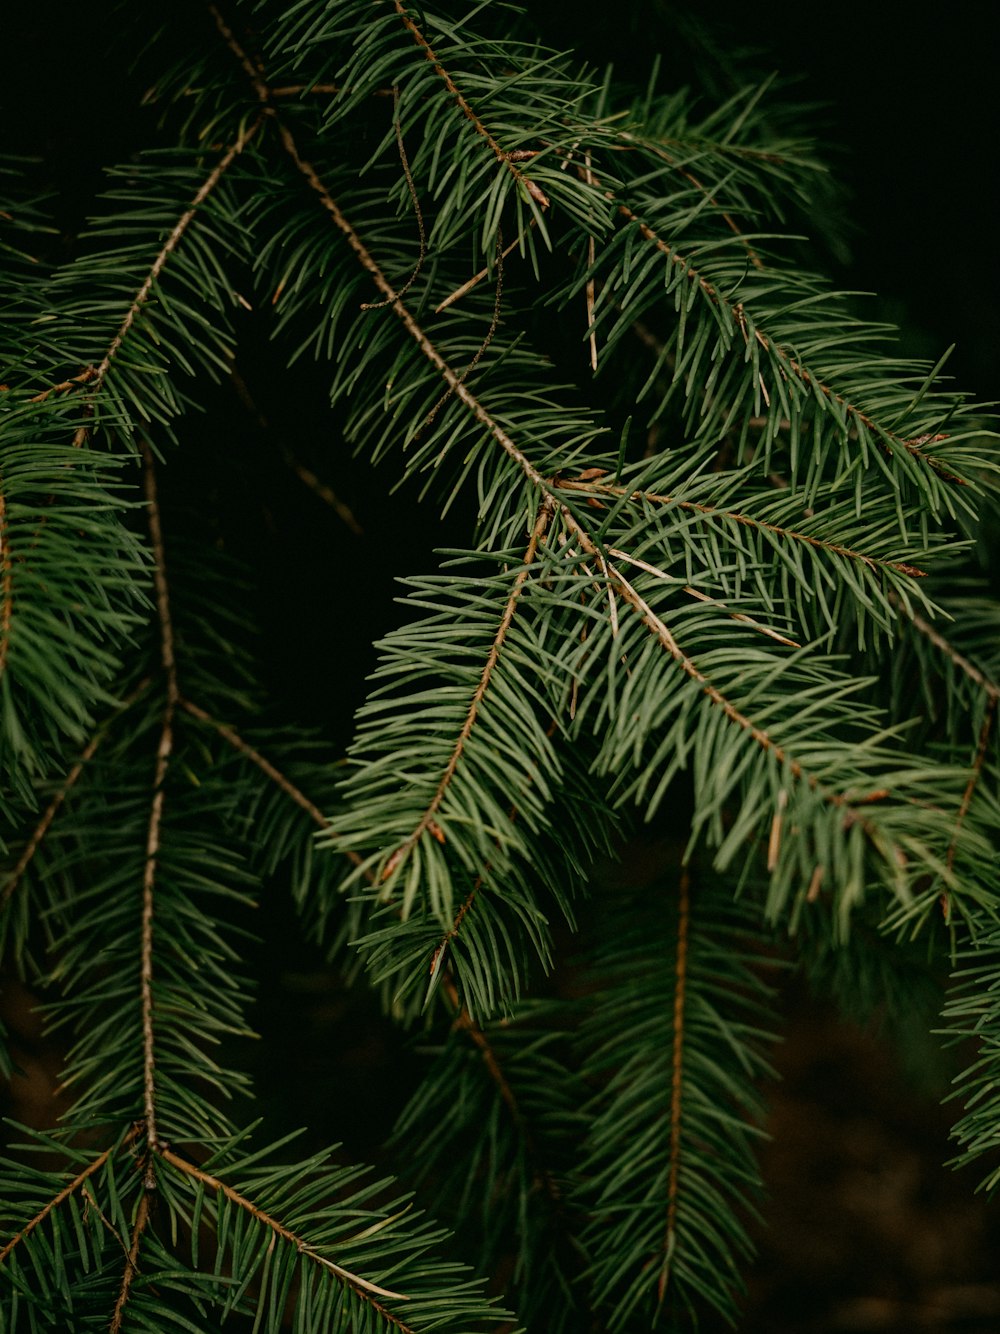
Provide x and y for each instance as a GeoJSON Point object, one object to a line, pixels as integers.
{"type": "Point", "coordinates": [676, 1077]}
{"type": "Point", "coordinates": [68, 783]}
{"type": "Point", "coordinates": [959, 660]}
{"type": "Point", "coordinates": [548, 488]}
{"type": "Point", "coordinates": [741, 720]}
{"type": "Point", "coordinates": [96, 380]}
{"type": "Point", "coordinates": [426, 822]}
{"type": "Point", "coordinates": [535, 191]}
{"type": "Point", "coordinates": [711, 511]}
{"type": "Point", "coordinates": [6, 584]}
{"type": "Point", "coordinates": [886, 439]}
{"type": "Point", "coordinates": [466, 1024]}
{"type": "Point", "coordinates": [977, 769]}
{"type": "Point", "coordinates": [658, 151]}
{"type": "Point", "coordinates": [992, 692]}
{"type": "Point", "coordinates": [280, 779]}
{"type": "Point", "coordinates": [131, 1263]}
{"type": "Point", "coordinates": [361, 1287]}
{"type": "Point", "coordinates": [66, 1192]}
{"type": "Point", "coordinates": [163, 753]}
{"type": "Point", "coordinates": [74, 382]}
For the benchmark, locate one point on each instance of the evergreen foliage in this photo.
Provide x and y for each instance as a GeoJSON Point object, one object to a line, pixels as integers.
{"type": "Point", "coordinates": [719, 560]}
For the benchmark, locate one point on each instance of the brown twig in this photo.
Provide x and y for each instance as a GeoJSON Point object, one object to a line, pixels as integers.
{"type": "Point", "coordinates": [466, 1024]}
{"type": "Point", "coordinates": [952, 654]}
{"type": "Point", "coordinates": [992, 692]}
{"type": "Point", "coordinates": [362, 1287]}
{"type": "Point", "coordinates": [415, 200]}
{"type": "Point", "coordinates": [711, 511]}
{"type": "Point", "coordinates": [72, 777]}
{"type": "Point", "coordinates": [494, 325]}
{"type": "Point", "coordinates": [676, 1077]}
{"type": "Point", "coordinates": [535, 191]}
{"type": "Point", "coordinates": [166, 250]}
{"type": "Point", "coordinates": [427, 818]}
{"type": "Point", "coordinates": [65, 386]}
{"type": "Point", "coordinates": [131, 1263]}
{"type": "Point", "coordinates": [591, 286]}
{"type": "Point", "coordinates": [62, 1195]}
{"type": "Point", "coordinates": [658, 151]}
{"type": "Point", "coordinates": [476, 278]}
{"type": "Point", "coordinates": [276, 776]}
{"type": "Point", "coordinates": [163, 753]}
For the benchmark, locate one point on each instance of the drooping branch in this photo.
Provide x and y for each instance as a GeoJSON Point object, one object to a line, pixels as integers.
{"type": "Point", "coordinates": [676, 1077]}
{"type": "Point", "coordinates": [65, 787]}
{"type": "Point", "coordinates": [362, 1287]}
{"type": "Point", "coordinates": [597, 488]}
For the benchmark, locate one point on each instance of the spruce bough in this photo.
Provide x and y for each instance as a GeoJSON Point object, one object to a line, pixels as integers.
{"type": "Point", "coordinates": [724, 570]}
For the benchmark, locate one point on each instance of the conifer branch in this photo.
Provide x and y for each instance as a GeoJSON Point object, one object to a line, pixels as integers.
{"type": "Point", "coordinates": [537, 194]}
{"type": "Point", "coordinates": [982, 746]}
{"type": "Point", "coordinates": [885, 438]}
{"type": "Point", "coordinates": [74, 382]}
{"type": "Point", "coordinates": [6, 583]}
{"type": "Point", "coordinates": [131, 1263]}
{"type": "Point", "coordinates": [992, 693]}
{"type": "Point", "coordinates": [64, 1194]}
{"type": "Point", "coordinates": [734, 516]}
{"type": "Point", "coordinates": [65, 787]}
{"type": "Point", "coordinates": [658, 151]}
{"type": "Point", "coordinates": [362, 1287]}
{"type": "Point", "coordinates": [280, 779]}
{"type": "Point", "coordinates": [251, 68]}
{"type": "Point", "coordinates": [548, 487]}
{"type": "Point", "coordinates": [426, 822]}
{"type": "Point", "coordinates": [465, 1023]}
{"type": "Point", "coordinates": [676, 1077]}
{"type": "Point", "coordinates": [767, 743]}
{"type": "Point", "coordinates": [163, 753]}
{"type": "Point", "coordinates": [96, 380]}
{"type": "Point", "coordinates": [952, 654]}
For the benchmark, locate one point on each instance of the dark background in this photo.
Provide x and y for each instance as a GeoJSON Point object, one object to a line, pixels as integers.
{"type": "Point", "coordinates": [867, 1232]}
